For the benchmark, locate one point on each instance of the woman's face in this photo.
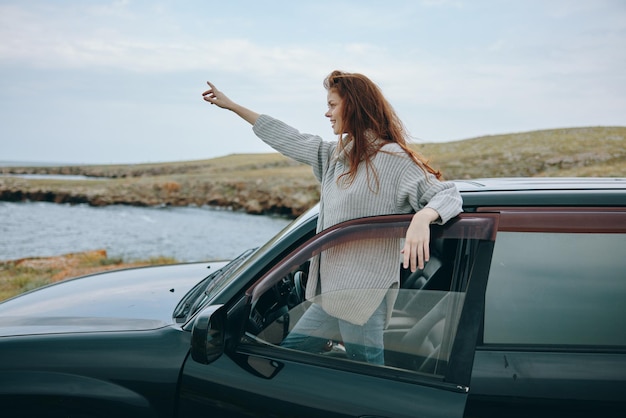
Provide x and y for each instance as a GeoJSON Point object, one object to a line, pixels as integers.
{"type": "Point", "coordinates": [335, 105]}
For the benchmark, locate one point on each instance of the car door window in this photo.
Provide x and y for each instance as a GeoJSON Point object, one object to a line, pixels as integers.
{"type": "Point", "coordinates": [421, 309]}
{"type": "Point", "coordinates": [558, 280]}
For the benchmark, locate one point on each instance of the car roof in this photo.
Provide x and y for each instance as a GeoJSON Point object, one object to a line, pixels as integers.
{"type": "Point", "coordinates": [541, 183]}
{"type": "Point", "coordinates": [530, 191]}
{"type": "Point", "coordinates": [543, 191]}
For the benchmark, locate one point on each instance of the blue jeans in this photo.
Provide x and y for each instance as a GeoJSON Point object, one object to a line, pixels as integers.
{"type": "Point", "coordinates": [363, 342]}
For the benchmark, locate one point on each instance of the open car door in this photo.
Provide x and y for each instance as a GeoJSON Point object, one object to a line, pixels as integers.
{"type": "Point", "coordinates": [237, 367]}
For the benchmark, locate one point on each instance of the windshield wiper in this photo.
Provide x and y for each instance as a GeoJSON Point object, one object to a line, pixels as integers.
{"type": "Point", "coordinates": [184, 306]}
{"type": "Point", "coordinates": [200, 294]}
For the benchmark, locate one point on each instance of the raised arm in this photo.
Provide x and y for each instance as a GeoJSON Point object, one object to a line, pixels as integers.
{"type": "Point", "coordinates": [216, 97]}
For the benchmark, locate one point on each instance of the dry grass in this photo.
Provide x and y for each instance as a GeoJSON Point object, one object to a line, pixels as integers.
{"type": "Point", "coordinates": [18, 276]}
{"type": "Point", "coordinates": [597, 151]}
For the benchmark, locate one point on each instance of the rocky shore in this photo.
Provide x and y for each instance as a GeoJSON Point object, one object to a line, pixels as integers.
{"type": "Point", "coordinates": [273, 184]}
{"type": "Point", "coordinates": [254, 197]}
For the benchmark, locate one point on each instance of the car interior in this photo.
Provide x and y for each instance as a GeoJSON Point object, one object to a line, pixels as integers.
{"type": "Point", "coordinates": [421, 330]}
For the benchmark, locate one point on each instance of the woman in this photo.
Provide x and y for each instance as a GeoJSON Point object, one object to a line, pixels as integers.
{"type": "Point", "coordinates": [368, 171]}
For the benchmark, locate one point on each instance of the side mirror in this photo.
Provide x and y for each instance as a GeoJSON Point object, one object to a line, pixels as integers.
{"type": "Point", "coordinates": [208, 335]}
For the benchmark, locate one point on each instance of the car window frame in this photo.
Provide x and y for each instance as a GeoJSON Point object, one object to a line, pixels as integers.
{"type": "Point", "coordinates": [481, 226]}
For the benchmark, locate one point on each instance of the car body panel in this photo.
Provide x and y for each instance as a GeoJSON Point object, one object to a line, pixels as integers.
{"type": "Point", "coordinates": [305, 390]}
{"type": "Point", "coordinates": [116, 373]}
{"type": "Point", "coordinates": [549, 374]}
{"type": "Point", "coordinates": [130, 299]}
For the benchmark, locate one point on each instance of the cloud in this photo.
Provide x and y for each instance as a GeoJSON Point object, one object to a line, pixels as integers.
{"type": "Point", "coordinates": [452, 69]}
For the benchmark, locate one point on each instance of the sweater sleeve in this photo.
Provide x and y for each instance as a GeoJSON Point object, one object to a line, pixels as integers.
{"type": "Point", "coordinates": [425, 190]}
{"type": "Point", "coordinates": [445, 198]}
{"type": "Point", "coordinates": [305, 148]}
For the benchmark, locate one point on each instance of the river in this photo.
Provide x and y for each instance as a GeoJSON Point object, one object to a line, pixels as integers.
{"type": "Point", "coordinates": [41, 229]}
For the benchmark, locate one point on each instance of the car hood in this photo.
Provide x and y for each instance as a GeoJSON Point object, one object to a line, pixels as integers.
{"type": "Point", "coordinates": [130, 299]}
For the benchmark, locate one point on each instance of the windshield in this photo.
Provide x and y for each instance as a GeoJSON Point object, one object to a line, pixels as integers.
{"type": "Point", "coordinates": [215, 283]}
{"type": "Point", "coordinates": [296, 228]}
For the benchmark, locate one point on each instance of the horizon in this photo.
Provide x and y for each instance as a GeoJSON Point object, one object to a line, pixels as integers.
{"type": "Point", "coordinates": [34, 164]}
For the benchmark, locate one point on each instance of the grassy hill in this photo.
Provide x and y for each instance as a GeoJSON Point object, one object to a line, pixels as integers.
{"type": "Point", "coordinates": [272, 183]}
{"type": "Point", "coordinates": [586, 152]}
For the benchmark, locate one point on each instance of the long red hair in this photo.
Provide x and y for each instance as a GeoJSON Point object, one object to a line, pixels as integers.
{"type": "Point", "coordinates": [365, 109]}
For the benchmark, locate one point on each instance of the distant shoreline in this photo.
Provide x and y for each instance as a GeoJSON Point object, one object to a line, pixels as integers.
{"type": "Point", "coordinates": [52, 177]}
{"type": "Point", "coordinates": [33, 164]}
{"type": "Point", "coordinates": [265, 184]}
{"type": "Point", "coordinates": [273, 184]}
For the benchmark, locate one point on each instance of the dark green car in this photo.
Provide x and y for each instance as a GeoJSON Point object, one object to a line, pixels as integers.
{"type": "Point", "coordinates": [521, 311]}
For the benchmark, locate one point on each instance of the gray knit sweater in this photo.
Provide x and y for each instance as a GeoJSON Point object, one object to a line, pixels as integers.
{"type": "Point", "coordinates": [353, 281]}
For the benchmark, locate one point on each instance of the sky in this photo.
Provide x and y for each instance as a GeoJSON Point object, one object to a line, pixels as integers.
{"type": "Point", "coordinates": [104, 82]}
